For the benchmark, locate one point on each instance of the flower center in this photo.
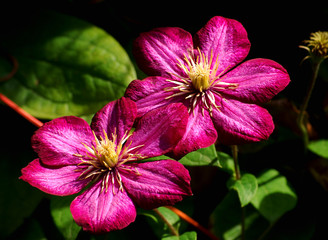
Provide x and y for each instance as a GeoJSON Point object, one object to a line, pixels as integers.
{"type": "Point", "coordinates": [107, 152]}
{"type": "Point", "coordinates": [203, 84]}
{"type": "Point", "coordinates": [105, 157]}
{"type": "Point", "coordinates": [199, 71]}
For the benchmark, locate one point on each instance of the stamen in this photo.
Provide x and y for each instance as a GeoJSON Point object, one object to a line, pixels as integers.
{"type": "Point", "coordinates": [106, 180]}
{"type": "Point", "coordinates": [176, 94]}
{"type": "Point", "coordinates": [119, 179]}
{"type": "Point", "coordinates": [105, 157]}
{"type": "Point", "coordinates": [77, 155]}
{"type": "Point", "coordinates": [113, 184]}
{"type": "Point", "coordinates": [201, 81]}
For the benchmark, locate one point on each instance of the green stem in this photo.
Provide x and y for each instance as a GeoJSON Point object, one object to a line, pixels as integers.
{"type": "Point", "coordinates": [234, 149]}
{"type": "Point", "coordinates": [301, 115]}
{"type": "Point", "coordinates": [169, 225]}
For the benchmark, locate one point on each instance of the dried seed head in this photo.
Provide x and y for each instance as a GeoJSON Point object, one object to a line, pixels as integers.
{"type": "Point", "coordinates": [317, 46]}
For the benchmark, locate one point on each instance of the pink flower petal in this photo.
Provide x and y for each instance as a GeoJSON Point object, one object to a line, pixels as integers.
{"type": "Point", "coordinates": [101, 212]}
{"type": "Point", "coordinates": [149, 93]}
{"type": "Point", "coordinates": [60, 181]}
{"type": "Point", "coordinates": [57, 141]}
{"type": "Point", "coordinates": [238, 122]}
{"type": "Point", "coordinates": [159, 183]}
{"type": "Point", "coordinates": [258, 81]}
{"type": "Point", "coordinates": [159, 130]}
{"type": "Point", "coordinates": [200, 133]}
{"type": "Point", "coordinates": [226, 39]}
{"type": "Point", "coordinates": [117, 116]}
{"type": "Point", "coordinates": [157, 51]}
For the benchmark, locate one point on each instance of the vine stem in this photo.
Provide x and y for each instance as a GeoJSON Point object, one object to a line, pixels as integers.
{"type": "Point", "coordinates": [301, 115]}
{"type": "Point", "coordinates": [20, 111]}
{"type": "Point", "coordinates": [192, 222]}
{"type": "Point", "coordinates": [169, 225]}
{"type": "Point", "coordinates": [234, 149]}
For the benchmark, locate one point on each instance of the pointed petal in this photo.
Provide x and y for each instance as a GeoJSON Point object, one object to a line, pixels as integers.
{"type": "Point", "coordinates": [158, 183]}
{"type": "Point", "coordinates": [60, 181]}
{"type": "Point", "coordinates": [160, 130]}
{"type": "Point", "coordinates": [238, 122]}
{"type": "Point", "coordinates": [117, 116]}
{"type": "Point", "coordinates": [149, 93]}
{"type": "Point", "coordinates": [226, 39]}
{"type": "Point", "coordinates": [258, 81]}
{"type": "Point", "coordinates": [100, 211]}
{"type": "Point", "coordinates": [157, 52]}
{"type": "Point", "coordinates": [57, 141]}
{"type": "Point", "coordinates": [200, 133]}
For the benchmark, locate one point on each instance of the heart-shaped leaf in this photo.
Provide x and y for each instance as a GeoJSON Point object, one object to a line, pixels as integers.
{"type": "Point", "coordinates": [246, 188]}
{"type": "Point", "coordinates": [274, 196]}
{"type": "Point", "coordinates": [66, 66]}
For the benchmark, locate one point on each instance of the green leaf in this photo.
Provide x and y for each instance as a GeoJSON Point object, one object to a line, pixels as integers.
{"type": "Point", "coordinates": [227, 219]}
{"type": "Point", "coordinates": [319, 147]}
{"type": "Point", "coordinates": [246, 188]}
{"type": "Point", "coordinates": [188, 236]}
{"type": "Point", "coordinates": [60, 211]}
{"type": "Point", "coordinates": [184, 236]}
{"type": "Point", "coordinates": [274, 196]}
{"type": "Point", "coordinates": [202, 157]}
{"type": "Point", "coordinates": [227, 162]}
{"type": "Point", "coordinates": [18, 199]}
{"type": "Point", "coordinates": [160, 229]}
{"type": "Point", "coordinates": [66, 66]}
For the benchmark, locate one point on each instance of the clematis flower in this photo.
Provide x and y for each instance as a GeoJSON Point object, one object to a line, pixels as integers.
{"type": "Point", "coordinates": [104, 157]}
{"type": "Point", "coordinates": [204, 73]}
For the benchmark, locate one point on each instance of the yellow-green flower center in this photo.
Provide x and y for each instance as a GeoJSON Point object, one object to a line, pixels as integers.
{"type": "Point", "coordinates": [199, 70]}
{"type": "Point", "coordinates": [201, 81]}
{"type": "Point", "coordinates": [107, 152]}
{"type": "Point", "coordinates": [199, 77]}
{"type": "Point", "coordinates": [104, 157]}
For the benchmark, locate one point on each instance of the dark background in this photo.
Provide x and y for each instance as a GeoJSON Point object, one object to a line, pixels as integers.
{"type": "Point", "coordinates": [275, 30]}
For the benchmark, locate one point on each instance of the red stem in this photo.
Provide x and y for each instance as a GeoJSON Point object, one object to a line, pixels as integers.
{"type": "Point", "coordinates": [20, 111]}
{"type": "Point", "coordinates": [192, 222]}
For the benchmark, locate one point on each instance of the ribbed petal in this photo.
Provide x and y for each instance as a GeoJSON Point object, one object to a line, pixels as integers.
{"type": "Point", "coordinates": [158, 183]}
{"type": "Point", "coordinates": [57, 141]}
{"type": "Point", "coordinates": [150, 93]}
{"type": "Point", "coordinates": [157, 51]}
{"type": "Point", "coordinates": [226, 39]}
{"type": "Point", "coordinates": [159, 130]}
{"type": "Point", "coordinates": [100, 211]}
{"type": "Point", "coordinates": [60, 181]}
{"type": "Point", "coordinates": [258, 81]}
{"type": "Point", "coordinates": [238, 122]}
{"type": "Point", "coordinates": [200, 133]}
{"type": "Point", "coordinates": [117, 116]}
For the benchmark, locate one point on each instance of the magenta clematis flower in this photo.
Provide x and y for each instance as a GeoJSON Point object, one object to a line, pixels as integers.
{"type": "Point", "coordinates": [73, 155]}
{"type": "Point", "coordinates": [204, 73]}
